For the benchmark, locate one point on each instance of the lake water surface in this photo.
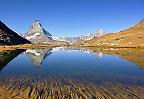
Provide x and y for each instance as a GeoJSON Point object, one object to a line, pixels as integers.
{"type": "Point", "coordinates": [72, 72]}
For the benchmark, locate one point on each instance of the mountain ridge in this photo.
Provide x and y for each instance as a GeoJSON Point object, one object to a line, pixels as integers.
{"type": "Point", "coordinates": [81, 38]}
{"type": "Point", "coordinates": [37, 34]}
{"type": "Point", "coordinates": [9, 37]}
{"type": "Point", "coordinates": [131, 37]}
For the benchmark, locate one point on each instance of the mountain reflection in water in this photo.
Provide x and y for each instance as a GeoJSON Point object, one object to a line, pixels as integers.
{"type": "Point", "coordinates": [72, 72]}
{"type": "Point", "coordinates": [134, 55]}
{"type": "Point", "coordinates": [7, 56]}
{"type": "Point", "coordinates": [131, 54]}
{"type": "Point", "coordinates": [38, 55]}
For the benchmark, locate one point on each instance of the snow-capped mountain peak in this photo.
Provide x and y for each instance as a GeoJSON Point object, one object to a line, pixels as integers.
{"type": "Point", "coordinates": [36, 27]}
{"type": "Point", "coordinates": [37, 34]}
{"type": "Point", "coordinates": [77, 39]}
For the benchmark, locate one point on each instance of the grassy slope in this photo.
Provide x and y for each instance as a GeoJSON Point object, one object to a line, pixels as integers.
{"type": "Point", "coordinates": [133, 36]}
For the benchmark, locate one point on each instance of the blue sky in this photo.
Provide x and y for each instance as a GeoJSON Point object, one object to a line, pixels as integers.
{"type": "Point", "coordinates": [72, 17]}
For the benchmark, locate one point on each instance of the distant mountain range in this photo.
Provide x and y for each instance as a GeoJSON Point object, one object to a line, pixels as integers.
{"type": "Point", "coordinates": [37, 34]}
{"type": "Point", "coordinates": [9, 37]}
{"type": "Point", "coordinates": [81, 38]}
{"type": "Point", "coordinates": [132, 37]}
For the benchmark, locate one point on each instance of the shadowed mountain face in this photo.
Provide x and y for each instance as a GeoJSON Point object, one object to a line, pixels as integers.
{"type": "Point", "coordinates": [38, 55]}
{"type": "Point", "coordinates": [9, 37]}
{"type": "Point", "coordinates": [7, 56]}
{"type": "Point", "coordinates": [37, 34]}
{"type": "Point", "coordinates": [36, 27]}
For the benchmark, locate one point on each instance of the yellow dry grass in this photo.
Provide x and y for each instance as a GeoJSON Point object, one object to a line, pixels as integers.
{"type": "Point", "coordinates": [132, 37]}
{"type": "Point", "coordinates": [26, 46]}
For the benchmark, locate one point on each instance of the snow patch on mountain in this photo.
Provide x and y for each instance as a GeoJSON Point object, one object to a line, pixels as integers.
{"type": "Point", "coordinates": [37, 34]}
{"type": "Point", "coordinates": [77, 39]}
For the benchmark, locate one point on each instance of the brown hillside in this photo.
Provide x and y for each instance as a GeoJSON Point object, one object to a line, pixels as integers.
{"type": "Point", "coordinates": [9, 37]}
{"type": "Point", "coordinates": [132, 37]}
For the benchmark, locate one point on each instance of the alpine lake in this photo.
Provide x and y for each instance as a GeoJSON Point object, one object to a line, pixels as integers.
{"type": "Point", "coordinates": [72, 73]}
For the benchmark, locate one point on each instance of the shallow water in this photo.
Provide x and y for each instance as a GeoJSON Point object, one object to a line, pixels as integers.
{"type": "Point", "coordinates": [83, 71]}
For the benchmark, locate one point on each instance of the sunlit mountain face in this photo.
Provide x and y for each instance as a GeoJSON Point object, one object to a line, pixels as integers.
{"type": "Point", "coordinates": [37, 34]}
{"type": "Point", "coordinates": [77, 39]}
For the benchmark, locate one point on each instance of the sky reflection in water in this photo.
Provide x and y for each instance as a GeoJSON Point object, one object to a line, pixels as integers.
{"type": "Point", "coordinates": [74, 62]}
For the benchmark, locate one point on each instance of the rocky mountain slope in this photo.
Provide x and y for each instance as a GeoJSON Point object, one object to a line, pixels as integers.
{"type": "Point", "coordinates": [37, 34]}
{"type": "Point", "coordinates": [132, 37]}
{"type": "Point", "coordinates": [81, 38]}
{"type": "Point", "coordinates": [9, 37]}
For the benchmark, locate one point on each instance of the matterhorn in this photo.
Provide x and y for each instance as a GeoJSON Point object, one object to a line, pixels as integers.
{"type": "Point", "coordinates": [37, 34]}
